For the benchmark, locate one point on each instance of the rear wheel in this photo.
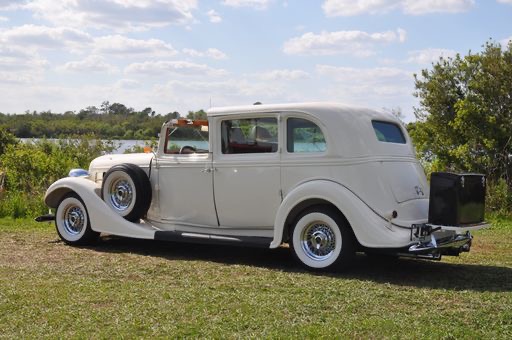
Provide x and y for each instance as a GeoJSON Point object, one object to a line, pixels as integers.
{"type": "Point", "coordinates": [126, 189]}
{"type": "Point", "coordinates": [72, 221]}
{"type": "Point", "coordinates": [321, 239]}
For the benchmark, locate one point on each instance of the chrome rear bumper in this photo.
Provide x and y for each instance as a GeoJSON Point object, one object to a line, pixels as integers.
{"type": "Point", "coordinates": [433, 241]}
{"type": "Point", "coordinates": [451, 246]}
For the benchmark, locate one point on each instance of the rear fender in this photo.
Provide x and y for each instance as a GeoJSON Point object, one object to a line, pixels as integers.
{"type": "Point", "coordinates": [370, 229]}
{"type": "Point", "coordinates": [102, 218]}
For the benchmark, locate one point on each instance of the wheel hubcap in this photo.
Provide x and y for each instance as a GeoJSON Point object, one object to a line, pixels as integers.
{"type": "Point", "coordinates": [318, 241]}
{"type": "Point", "coordinates": [74, 220]}
{"type": "Point", "coordinates": [121, 194]}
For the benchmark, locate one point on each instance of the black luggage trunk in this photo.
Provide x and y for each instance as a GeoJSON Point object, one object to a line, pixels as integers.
{"type": "Point", "coordinates": [456, 199]}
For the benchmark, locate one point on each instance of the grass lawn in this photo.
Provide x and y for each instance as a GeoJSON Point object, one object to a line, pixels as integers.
{"type": "Point", "coordinates": [133, 288]}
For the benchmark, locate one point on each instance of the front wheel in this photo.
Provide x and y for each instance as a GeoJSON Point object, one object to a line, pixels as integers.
{"type": "Point", "coordinates": [322, 240]}
{"type": "Point", "coordinates": [72, 221]}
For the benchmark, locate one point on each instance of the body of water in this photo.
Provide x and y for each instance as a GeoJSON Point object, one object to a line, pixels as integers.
{"type": "Point", "coordinates": [121, 145]}
{"type": "Point", "coordinates": [125, 144]}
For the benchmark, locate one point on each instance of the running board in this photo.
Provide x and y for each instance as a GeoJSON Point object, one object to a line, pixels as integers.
{"type": "Point", "coordinates": [174, 236]}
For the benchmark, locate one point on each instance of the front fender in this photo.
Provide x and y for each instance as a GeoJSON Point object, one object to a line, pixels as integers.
{"type": "Point", "coordinates": [370, 229]}
{"type": "Point", "coordinates": [80, 185]}
{"type": "Point", "coordinates": [102, 218]}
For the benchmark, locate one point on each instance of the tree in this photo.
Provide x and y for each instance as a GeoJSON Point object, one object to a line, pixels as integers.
{"type": "Point", "coordinates": [6, 139]}
{"type": "Point", "coordinates": [119, 109]}
{"type": "Point", "coordinates": [465, 113]}
{"type": "Point", "coordinates": [173, 115]}
{"type": "Point", "coordinates": [196, 115]}
{"type": "Point", "coordinates": [105, 107]}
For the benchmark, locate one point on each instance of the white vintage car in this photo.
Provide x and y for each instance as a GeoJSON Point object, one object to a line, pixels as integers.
{"type": "Point", "coordinates": [327, 179]}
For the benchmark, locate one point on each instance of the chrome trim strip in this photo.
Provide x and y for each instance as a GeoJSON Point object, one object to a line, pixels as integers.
{"type": "Point", "coordinates": [467, 227]}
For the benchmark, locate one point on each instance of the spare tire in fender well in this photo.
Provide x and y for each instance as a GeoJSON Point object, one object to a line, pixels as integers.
{"type": "Point", "coordinates": [126, 189]}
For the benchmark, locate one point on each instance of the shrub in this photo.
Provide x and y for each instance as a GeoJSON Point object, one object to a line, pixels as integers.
{"type": "Point", "coordinates": [499, 197]}
{"type": "Point", "coordinates": [30, 168]}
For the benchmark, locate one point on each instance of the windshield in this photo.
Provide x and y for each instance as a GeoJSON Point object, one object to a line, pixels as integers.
{"type": "Point", "coordinates": [188, 138]}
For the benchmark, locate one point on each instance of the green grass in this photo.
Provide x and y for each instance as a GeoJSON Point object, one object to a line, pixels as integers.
{"type": "Point", "coordinates": [131, 288]}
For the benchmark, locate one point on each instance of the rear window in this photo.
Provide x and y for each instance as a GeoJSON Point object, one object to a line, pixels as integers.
{"type": "Point", "coordinates": [388, 132]}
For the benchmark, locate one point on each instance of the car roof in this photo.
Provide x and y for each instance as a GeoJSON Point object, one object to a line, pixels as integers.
{"type": "Point", "coordinates": [321, 110]}
{"type": "Point", "coordinates": [350, 127]}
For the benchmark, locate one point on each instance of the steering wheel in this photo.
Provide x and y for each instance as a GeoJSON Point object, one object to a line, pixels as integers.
{"type": "Point", "coordinates": [186, 149]}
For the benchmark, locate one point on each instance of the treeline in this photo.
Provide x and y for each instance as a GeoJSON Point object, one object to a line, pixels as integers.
{"type": "Point", "coordinates": [109, 121]}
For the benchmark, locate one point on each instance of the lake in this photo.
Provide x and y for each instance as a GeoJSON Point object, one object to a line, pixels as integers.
{"type": "Point", "coordinates": [125, 144]}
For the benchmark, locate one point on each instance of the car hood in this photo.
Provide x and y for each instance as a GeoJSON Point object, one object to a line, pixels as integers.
{"type": "Point", "coordinates": [108, 161]}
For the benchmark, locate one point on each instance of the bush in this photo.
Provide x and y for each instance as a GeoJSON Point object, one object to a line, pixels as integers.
{"type": "Point", "coordinates": [499, 197]}
{"type": "Point", "coordinates": [18, 205]}
{"type": "Point", "coordinates": [6, 139]}
{"type": "Point", "coordinates": [30, 168]}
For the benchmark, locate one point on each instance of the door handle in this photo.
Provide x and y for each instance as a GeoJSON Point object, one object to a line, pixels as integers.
{"type": "Point", "coordinates": [208, 170]}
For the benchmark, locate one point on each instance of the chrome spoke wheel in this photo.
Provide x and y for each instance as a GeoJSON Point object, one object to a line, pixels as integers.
{"type": "Point", "coordinates": [121, 194]}
{"type": "Point", "coordinates": [318, 241]}
{"type": "Point", "coordinates": [74, 219]}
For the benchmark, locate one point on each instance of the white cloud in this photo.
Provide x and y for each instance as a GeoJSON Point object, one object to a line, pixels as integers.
{"type": "Point", "coordinates": [9, 4]}
{"type": "Point", "coordinates": [509, 2]}
{"type": "Point", "coordinates": [369, 83]}
{"type": "Point", "coordinates": [120, 45]}
{"type": "Point", "coordinates": [257, 4]}
{"type": "Point", "coordinates": [164, 68]}
{"type": "Point", "coordinates": [128, 84]}
{"type": "Point", "coordinates": [32, 36]}
{"type": "Point", "coordinates": [235, 91]}
{"type": "Point", "coordinates": [286, 75]}
{"type": "Point", "coordinates": [506, 41]}
{"type": "Point", "coordinates": [18, 65]}
{"type": "Point", "coordinates": [215, 54]}
{"type": "Point", "coordinates": [214, 16]}
{"type": "Point", "coordinates": [15, 59]}
{"type": "Point", "coordinates": [92, 63]}
{"type": "Point", "coordinates": [356, 43]}
{"type": "Point", "coordinates": [119, 15]}
{"type": "Point", "coordinates": [212, 53]}
{"type": "Point", "coordinates": [333, 8]}
{"type": "Point", "coordinates": [437, 6]}
{"type": "Point", "coordinates": [429, 55]}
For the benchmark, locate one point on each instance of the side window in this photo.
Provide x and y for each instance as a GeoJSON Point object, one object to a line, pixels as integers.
{"type": "Point", "coordinates": [255, 135]}
{"type": "Point", "coordinates": [304, 136]}
{"type": "Point", "coordinates": [388, 132]}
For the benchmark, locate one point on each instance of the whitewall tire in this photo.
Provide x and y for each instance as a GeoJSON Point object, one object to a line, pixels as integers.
{"type": "Point", "coordinates": [72, 221]}
{"type": "Point", "coordinates": [321, 239]}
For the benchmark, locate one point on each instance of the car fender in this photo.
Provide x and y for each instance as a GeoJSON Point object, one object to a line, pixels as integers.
{"type": "Point", "coordinates": [370, 229]}
{"type": "Point", "coordinates": [102, 218]}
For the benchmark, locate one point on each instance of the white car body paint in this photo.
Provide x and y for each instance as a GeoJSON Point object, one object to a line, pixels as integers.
{"type": "Point", "coordinates": [252, 195]}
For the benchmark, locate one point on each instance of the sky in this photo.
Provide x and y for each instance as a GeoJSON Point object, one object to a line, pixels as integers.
{"type": "Point", "coordinates": [181, 55]}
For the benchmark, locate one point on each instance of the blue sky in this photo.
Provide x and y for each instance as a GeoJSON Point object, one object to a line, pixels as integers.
{"type": "Point", "coordinates": [182, 55]}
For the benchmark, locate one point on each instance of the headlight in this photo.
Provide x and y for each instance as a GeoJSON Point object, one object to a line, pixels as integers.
{"type": "Point", "coordinates": [78, 173]}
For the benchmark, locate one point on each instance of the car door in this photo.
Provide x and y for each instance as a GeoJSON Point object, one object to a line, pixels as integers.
{"type": "Point", "coordinates": [185, 180]}
{"type": "Point", "coordinates": [247, 181]}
